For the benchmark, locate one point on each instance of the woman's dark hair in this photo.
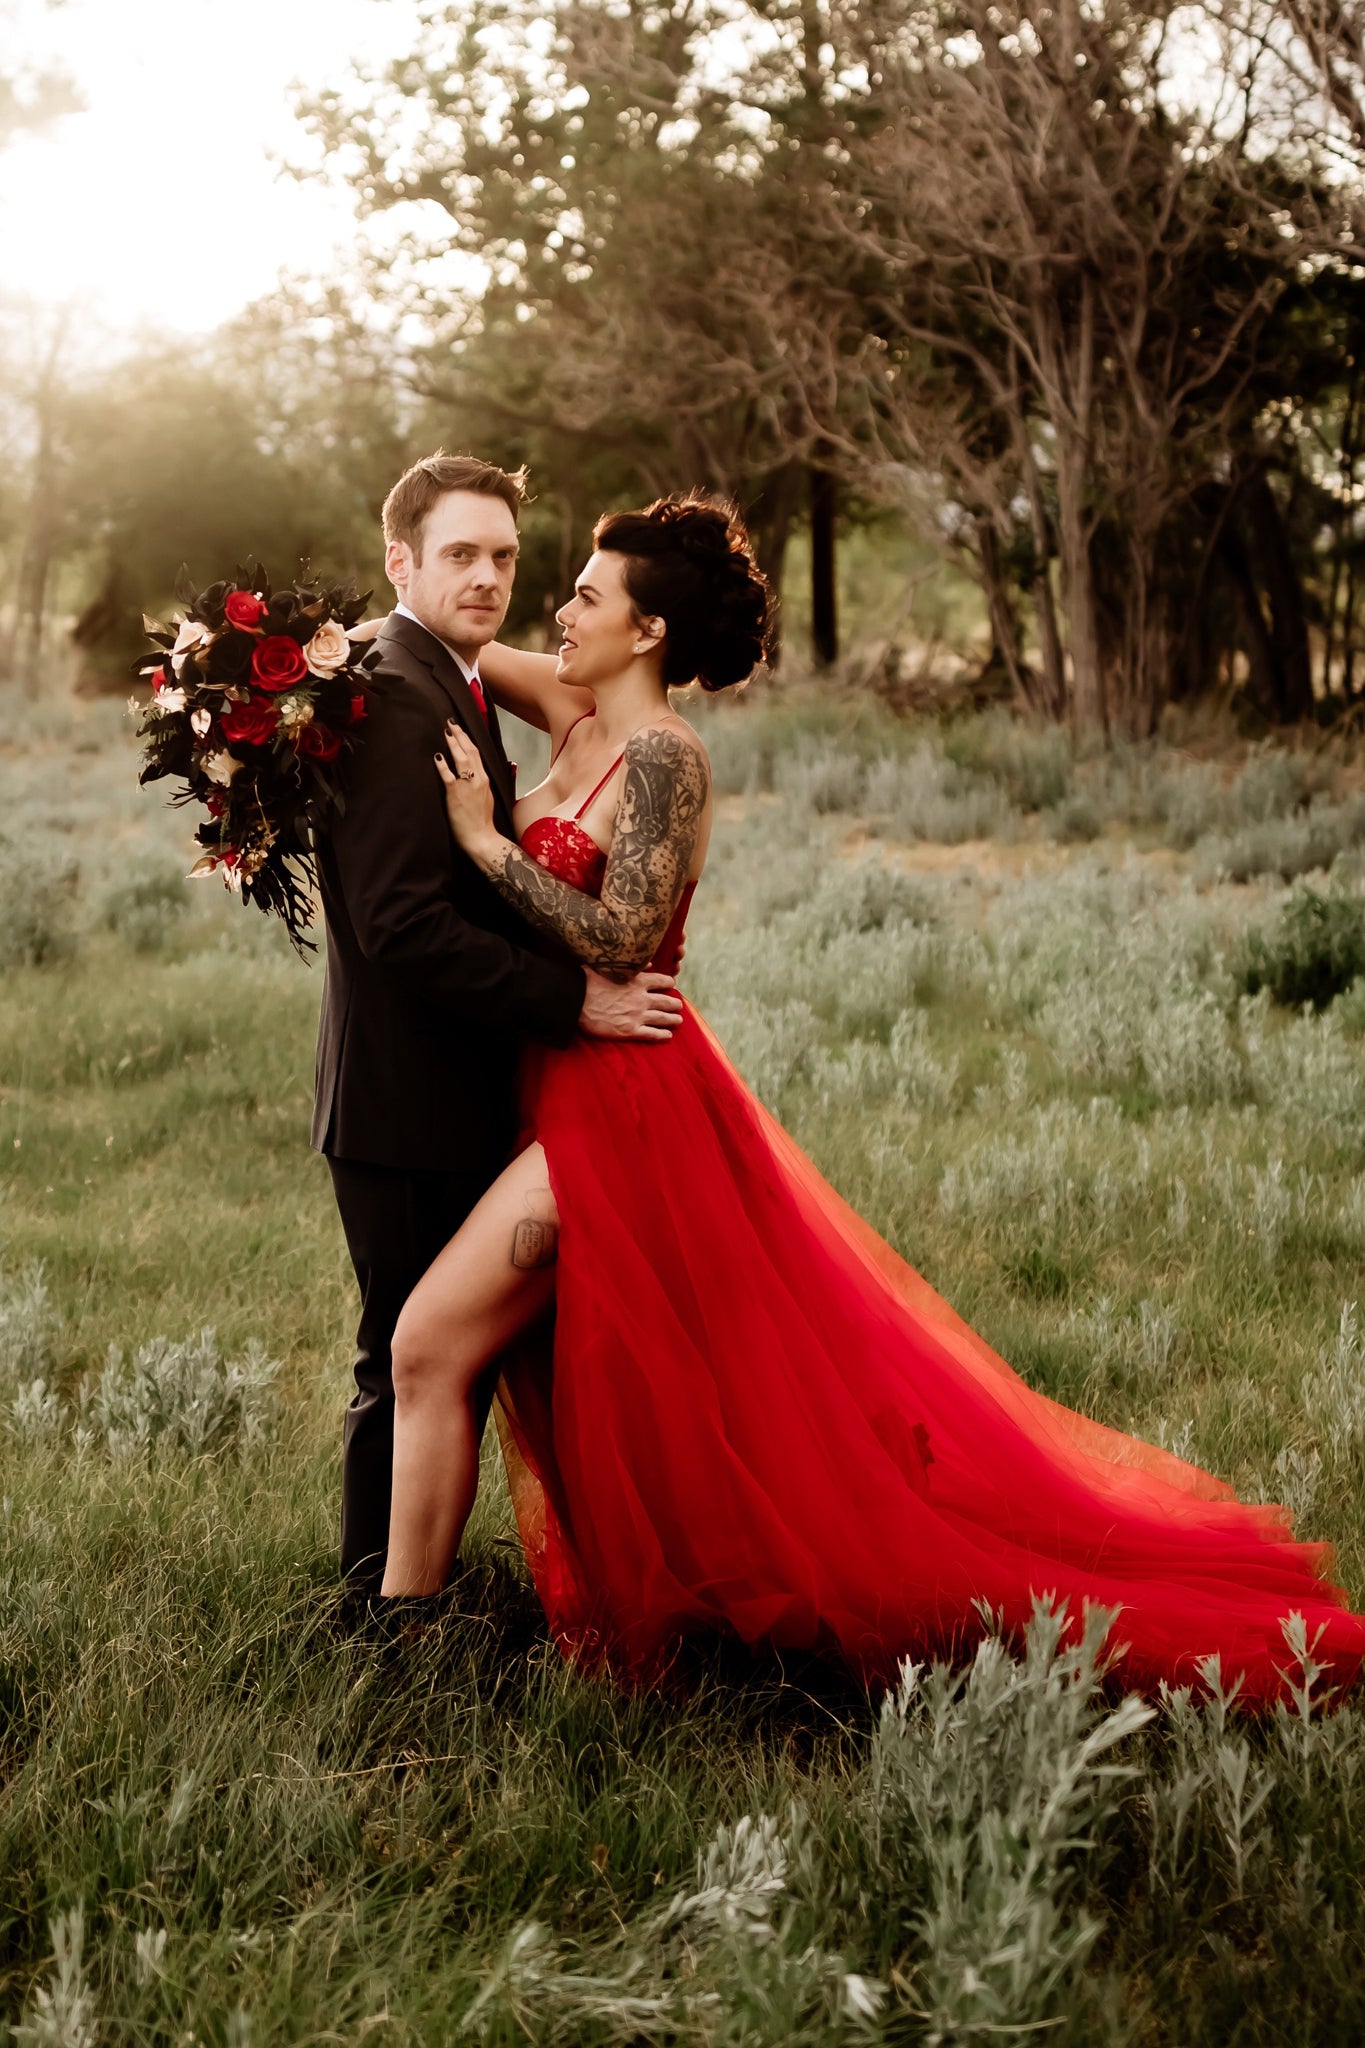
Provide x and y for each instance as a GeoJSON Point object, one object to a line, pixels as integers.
{"type": "Point", "coordinates": [689, 562]}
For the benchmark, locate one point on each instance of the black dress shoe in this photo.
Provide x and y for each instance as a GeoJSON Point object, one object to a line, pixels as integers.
{"type": "Point", "coordinates": [403, 1619]}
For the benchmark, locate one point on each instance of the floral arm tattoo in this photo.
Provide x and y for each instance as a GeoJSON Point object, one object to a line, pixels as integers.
{"type": "Point", "coordinates": [657, 821]}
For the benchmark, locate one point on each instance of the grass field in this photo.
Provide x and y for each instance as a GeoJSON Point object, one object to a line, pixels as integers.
{"type": "Point", "coordinates": [1084, 1040]}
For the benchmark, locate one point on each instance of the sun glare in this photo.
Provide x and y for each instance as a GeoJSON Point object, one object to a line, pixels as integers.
{"type": "Point", "coordinates": [161, 203]}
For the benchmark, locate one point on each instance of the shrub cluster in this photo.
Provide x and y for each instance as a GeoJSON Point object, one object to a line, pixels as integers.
{"type": "Point", "coordinates": [1312, 953]}
{"type": "Point", "coordinates": [183, 1398]}
{"type": "Point", "coordinates": [1011, 1816]}
{"type": "Point", "coordinates": [38, 888]}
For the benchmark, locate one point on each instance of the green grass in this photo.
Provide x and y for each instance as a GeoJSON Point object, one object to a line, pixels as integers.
{"type": "Point", "coordinates": [1031, 1065]}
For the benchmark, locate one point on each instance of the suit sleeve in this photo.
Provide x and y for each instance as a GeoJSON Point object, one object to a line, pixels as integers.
{"type": "Point", "coordinates": [392, 848]}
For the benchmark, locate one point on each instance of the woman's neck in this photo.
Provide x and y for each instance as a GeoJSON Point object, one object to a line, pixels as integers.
{"type": "Point", "coordinates": [628, 701]}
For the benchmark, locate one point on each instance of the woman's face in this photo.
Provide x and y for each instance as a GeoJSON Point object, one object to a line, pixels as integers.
{"type": "Point", "coordinates": [603, 634]}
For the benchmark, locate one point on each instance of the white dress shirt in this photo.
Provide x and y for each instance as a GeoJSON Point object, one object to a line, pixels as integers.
{"type": "Point", "coordinates": [471, 675]}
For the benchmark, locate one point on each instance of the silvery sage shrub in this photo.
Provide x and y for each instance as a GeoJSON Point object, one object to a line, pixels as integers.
{"type": "Point", "coordinates": [145, 901]}
{"type": "Point", "coordinates": [29, 1332]}
{"type": "Point", "coordinates": [1034, 763]}
{"type": "Point", "coordinates": [989, 1787]}
{"type": "Point", "coordinates": [1306, 1067]}
{"type": "Point", "coordinates": [926, 796]}
{"type": "Point", "coordinates": [183, 1397]}
{"type": "Point", "coordinates": [37, 904]}
{"type": "Point", "coordinates": [816, 776]}
{"type": "Point", "coordinates": [29, 1324]}
{"type": "Point", "coordinates": [730, 1948]}
{"type": "Point", "coordinates": [1286, 847]}
{"type": "Point", "coordinates": [63, 2012]}
{"type": "Point", "coordinates": [1334, 1394]}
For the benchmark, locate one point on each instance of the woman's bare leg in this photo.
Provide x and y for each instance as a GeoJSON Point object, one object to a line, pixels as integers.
{"type": "Point", "coordinates": [494, 1278]}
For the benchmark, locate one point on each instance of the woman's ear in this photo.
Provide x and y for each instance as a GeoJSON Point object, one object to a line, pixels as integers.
{"type": "Point", "coordinates": [650, 633]}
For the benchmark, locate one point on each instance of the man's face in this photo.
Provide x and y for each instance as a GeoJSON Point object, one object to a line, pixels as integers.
{"type": "Point", "coordinates": [461, 587]}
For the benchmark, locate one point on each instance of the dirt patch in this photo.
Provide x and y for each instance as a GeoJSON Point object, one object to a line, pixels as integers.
{"type": "Point", "coordinates": [1009, 859]}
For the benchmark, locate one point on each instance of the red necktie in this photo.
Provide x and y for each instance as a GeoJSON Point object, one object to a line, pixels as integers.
{"type": "Point", "coordinates": [476, 692]}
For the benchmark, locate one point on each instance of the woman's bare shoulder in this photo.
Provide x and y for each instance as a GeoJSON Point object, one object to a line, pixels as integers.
{"type": "Point", "coordinates": [671, 727]}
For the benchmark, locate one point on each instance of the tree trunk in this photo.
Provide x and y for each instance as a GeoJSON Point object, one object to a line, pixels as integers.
{"type": "Point", "coordinates": [1342, 520]}
{"type": "Point", "coordinates": [1288, 631]}
{"type": "Point", "coordinates": [1040, 589]}
{"type": "Point", "coordinates": [1004, 623]}
{"type": "Point", "coordinates": [1263, 675]}
{"type": "Point", "coordinates": [770, 521]}
{"type": "Point", "coordinates": [1067, 357]}
{"type": "Point", "coordinates": [824, 613]}
{"type": "Point", "coordinates": [40, 526]}
{"type": "Point", "coordinates": [1348, 659]}
{"type": "Point", "coordinates": [1086, 696]}
{"type": "Point", "coordinates": [1049, 640]}
{"type": "Point", "coordinates": [1148, 647]}
{"type": "Point", "coordinates": [35, 563]}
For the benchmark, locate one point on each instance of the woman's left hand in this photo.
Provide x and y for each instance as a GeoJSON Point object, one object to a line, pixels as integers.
{"type": "Point", "coordinates": [469, 795]}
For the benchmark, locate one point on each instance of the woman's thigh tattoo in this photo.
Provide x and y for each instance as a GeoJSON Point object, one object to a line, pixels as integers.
{"type": "Point", "coordinates": [535, 1240]}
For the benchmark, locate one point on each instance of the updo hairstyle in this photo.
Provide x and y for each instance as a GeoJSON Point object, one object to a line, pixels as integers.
{"type": "Point", "coordinates": [689, 562]}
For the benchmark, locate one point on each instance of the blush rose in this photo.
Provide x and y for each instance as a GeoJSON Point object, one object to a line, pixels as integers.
{"type": "Point", "coordinates": [328, 650]}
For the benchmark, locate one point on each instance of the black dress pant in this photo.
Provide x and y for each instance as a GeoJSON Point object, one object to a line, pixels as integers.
{"type": "Point", "coordinates": [396, 1221]}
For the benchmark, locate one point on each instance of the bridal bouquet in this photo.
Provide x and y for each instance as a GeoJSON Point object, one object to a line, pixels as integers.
{"type": "Point", "coordinates": [255, 695]}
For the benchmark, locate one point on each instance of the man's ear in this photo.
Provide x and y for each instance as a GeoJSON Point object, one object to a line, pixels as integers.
{"type": "Point", "coordinates": [398, 564]}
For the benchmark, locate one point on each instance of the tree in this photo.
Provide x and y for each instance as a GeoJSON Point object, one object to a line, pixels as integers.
{"type": "Point", "coordinates": [31, 375]}
{"type": "Point", "coordinates": [30, 99]}
{"type": "Point", "coordinates": [1001, 262]}
{"type": "Point", "coordinates": [616, 176]}
{"type": "Point", "coordinates": [258, 444]}
{"type": "Point", "coordinates": [1103, 272]}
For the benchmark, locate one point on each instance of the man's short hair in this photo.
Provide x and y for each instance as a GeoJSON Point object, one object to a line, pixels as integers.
{"type": "Point", "coordinates": [419, 488]}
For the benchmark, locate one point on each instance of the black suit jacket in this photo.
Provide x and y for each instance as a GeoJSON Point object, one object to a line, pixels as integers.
{"type": "Point", "coordinates": [431, 978]}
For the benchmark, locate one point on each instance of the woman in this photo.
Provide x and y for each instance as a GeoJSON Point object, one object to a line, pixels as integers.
{"type": "Point", "coordinates": [762, 1422]}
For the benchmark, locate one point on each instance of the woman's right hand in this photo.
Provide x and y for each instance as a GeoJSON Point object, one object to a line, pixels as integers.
{"type": "Point", "coordinates": [469, 795]}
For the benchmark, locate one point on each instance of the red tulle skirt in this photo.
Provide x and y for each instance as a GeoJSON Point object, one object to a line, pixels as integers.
{"type": "Point", "coordinates": [759, 1421]}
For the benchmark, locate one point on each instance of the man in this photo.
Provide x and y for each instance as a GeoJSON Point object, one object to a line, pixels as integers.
{"type": "Point", "coordinates": [432, 980]}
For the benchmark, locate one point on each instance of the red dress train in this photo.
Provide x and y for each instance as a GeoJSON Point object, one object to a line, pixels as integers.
{"type": "Point", "coordinates": [760, 1421]}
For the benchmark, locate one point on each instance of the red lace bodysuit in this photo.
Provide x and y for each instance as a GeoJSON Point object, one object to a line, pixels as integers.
{"type": "Point", "coordinates": [568, 850]}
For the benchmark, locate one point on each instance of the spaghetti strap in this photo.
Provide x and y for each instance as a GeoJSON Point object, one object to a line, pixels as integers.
{"type": "Point", "coordinates": [568, 729]}
{"type": "Point", "coordinates": [588, 800]}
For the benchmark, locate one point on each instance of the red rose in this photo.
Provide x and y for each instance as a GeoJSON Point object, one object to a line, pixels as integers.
{"type": "Point", "coordinates": [278, 662]}
{"type": "Point", "coordinates": [215, 803]}
{"type": "Point", "coordinates": [357, 710]}
{"type": "Point", "coordinates": [244, 608]}
{"type": "Point", "coordinates": [319, 741]}
{"type": "Point", "coordinates": [253, 724]}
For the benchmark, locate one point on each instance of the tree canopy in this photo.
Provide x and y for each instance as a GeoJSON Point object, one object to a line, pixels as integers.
{"type": "Point", "coordinates": [1074, 289]}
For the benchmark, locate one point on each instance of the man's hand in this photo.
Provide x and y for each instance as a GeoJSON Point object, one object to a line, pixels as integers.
{"type": "Point", "coordinates": [645, 1007]}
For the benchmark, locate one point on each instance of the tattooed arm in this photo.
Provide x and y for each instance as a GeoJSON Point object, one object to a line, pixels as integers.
{"type": "Point", "coordinates": [658, 818]}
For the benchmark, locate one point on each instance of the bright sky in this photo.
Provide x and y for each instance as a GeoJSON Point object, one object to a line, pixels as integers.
{"type": "Point", "coordinates": [160, 204]}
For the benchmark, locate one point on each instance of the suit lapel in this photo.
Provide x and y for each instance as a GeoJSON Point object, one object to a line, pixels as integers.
{"type": "Point", "coordinates": [436, 657]}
